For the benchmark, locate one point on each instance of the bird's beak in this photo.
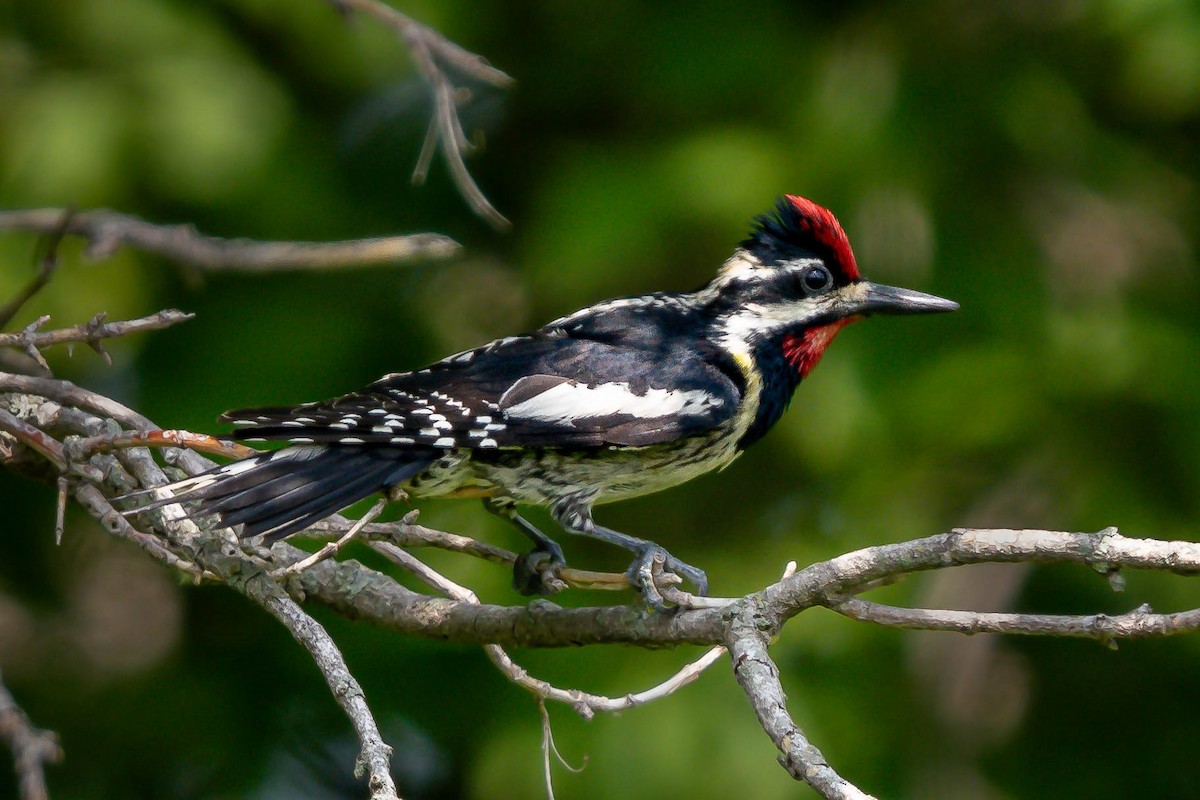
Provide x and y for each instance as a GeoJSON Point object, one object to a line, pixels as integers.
{"type": "Point", "coordinates": [874, 298]}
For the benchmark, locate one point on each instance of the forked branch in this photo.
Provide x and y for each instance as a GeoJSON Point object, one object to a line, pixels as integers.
{"type": "Point", "coordinates": [430, 51]}
{"type": "Point", "coordinates": [40, 416]}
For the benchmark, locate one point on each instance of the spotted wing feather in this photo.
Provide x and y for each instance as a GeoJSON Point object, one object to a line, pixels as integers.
{"type": "Point", "coordinates": [585, 383]}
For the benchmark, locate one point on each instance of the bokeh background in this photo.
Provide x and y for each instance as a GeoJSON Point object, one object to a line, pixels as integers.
{"type": "Point", "coordinates": [1035, 160]}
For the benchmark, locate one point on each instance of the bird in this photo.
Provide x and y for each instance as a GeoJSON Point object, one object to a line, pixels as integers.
{"type": "Point", "coordinates": [620, 399]}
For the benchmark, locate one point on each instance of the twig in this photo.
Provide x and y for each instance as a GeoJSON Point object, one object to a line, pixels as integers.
{"type": "Point", "coordinates": [375, 756]}
{"type": "Point", "coordinates": [75, 398]}
{"type": "Point", "coordinates": [758, 676]}
{"type": "Point", "coordinates": [549, 748]}
{"type": "Point", "coordinates": [410, 535]}
{"type": "Point", "coordinates": [44, 445]}
{"type": "Point", "coordinates": [45, 272]}
{"type": "Point", "coordinates": [60, 509]}
{"type": "Point", "coordinates": [200, 442]}
{"type": "Point", "coordinates": [543, 624]}
{"type": "Point", "coordinates": [332, 547]}
{"type": "Point", "coordinates": [745, 626]}
{"type": "Point", "coordinates": [585, 704]}
{"type": "Point", "coordinates": [99, 507]}
{"type": "Point", "coordinates": [229, 565]}
{"type": "Point", "coordinates": [428, 47]}
{"type": "Point", "coordinates": [31, 748]}
{"type": "Point", "coordinates": [1140, 623]}
{"type": "Point", "coordinates": [31, 340]}
{"type": "Point", "coordinates": [406, 534]}
{"type": "Point", "coordinates": [107, 231]}
{"type": "Point", "coordinates": [829, 582]}
{"type": "Point", "coordinates": [69, 394]}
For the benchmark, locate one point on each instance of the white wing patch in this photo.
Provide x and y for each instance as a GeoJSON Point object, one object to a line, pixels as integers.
{"type": "Point", "coordinates": [569, 401]}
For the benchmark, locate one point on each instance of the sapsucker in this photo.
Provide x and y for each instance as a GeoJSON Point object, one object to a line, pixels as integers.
{"type": "Point", "coordinates": [616, 400]}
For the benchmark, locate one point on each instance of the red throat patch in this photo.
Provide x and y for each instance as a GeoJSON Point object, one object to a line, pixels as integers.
{"type": "Point", "coordinates": [804, 350]}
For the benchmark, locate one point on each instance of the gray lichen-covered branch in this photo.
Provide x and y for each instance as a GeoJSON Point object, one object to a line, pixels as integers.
{"type": "Point", "coordinates": [51, 429]}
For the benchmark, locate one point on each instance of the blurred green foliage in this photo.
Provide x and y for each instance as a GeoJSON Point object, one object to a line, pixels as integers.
{"type": "Point", "coordinates": [1035, 160]}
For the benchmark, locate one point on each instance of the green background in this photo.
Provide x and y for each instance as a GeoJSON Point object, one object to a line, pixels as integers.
{"type": "Point", "coordinates": [1035, 161]}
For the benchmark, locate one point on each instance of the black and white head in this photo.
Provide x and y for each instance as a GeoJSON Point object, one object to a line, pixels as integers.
{"type": "Point", "coordinates": [794, 281]}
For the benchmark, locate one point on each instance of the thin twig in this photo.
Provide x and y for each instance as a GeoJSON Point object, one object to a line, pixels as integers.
{"type": "Point", "coordinates": [69, 394]}
{"type": "Point", "coordinates": [407, 534]}
{"type": "Point", "coordinates": [45, 272]}
{"type": "Point", "coordinates": [1140, 623]}
{"type": "Point", "coordinates": [91, 333]}
{"type": "Point", "coordinates": [200, 442]}
{"type": "Point", "coordinates": [828, 582]}
{"type": "Point", "coordinates": [46, 446]}
{"type": "Point", "coordinates": [467, 62]}
{"type": "Point", "coordinates": [549, 748]}
{"type": "Point", "coordinates": [32, 748]}
{"type": "Point", "coordinates": [107, 231]}
{"type": "Point", "coordinates": [428, 48]}
{"type": "Point", "coordinates": [332, 547]}
{"type": "Point", "coordinates": [584, 703]}
{"type": "Point", "coordinates": [375, 756]}
{"type": "Point", "coordinates": [410, 535]}
{"type": "Point", "coordinates": [60, 509]}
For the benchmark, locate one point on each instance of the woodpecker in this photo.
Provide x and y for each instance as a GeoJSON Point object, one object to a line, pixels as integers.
{"type": "Point", "coordinates": [620, 399]}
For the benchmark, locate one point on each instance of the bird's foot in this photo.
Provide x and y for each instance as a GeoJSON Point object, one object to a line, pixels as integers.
{"type": "Point", "coordinates": [536, 572]}
{"type": "Point", "coordinates": [655, 566]}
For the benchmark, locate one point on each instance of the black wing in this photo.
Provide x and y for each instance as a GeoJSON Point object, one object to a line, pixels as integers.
{"type": "Point", "coordinates": [624, 377]}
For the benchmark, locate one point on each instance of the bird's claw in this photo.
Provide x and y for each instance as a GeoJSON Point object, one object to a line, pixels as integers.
{"type": "Point", "coordinates": [653, 566]}
{"type": "Point", "coordinates": [536, 572]}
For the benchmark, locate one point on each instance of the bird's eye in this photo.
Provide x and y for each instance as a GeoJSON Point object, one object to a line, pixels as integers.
{"type": "Point", "coordinates": [816, 280]}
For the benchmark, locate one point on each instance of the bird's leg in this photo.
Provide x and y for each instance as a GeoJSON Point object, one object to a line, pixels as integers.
{"type": "Point", "coordinates": [576, 517]}
{"type": "Point", "coordinates": [533, 572]}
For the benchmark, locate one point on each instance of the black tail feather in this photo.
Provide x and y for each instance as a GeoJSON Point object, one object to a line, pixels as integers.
{"type": "Point", "coordinates": [300, 507]}
{"type": "Point", "coordinates": [285, 491]}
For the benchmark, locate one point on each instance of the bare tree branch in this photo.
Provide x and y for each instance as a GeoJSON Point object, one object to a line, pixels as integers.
{"type": "Point", "coordinates": [91, 333]}
{"type": "Point", "coordinates": [550, 748]}
{"type": "Point", "coordinates": [212, 558]}
{"type": "Point", "coordinates": [331, 548]}
{"type": "Point", "coordinates": [45, 271]}
{"type": "Point", "coordinates": [31, 748]}
{"type": "Point", "coordinates": [375, 757]}
{"type": "Point", "coordinates": [80, 449]}
{"type": "Point", "coordinates": [409, 534]}
{"type": "Point", "coordinates": [1140, 623]}
{"type": "Point", "coordinates": [406, 533]}
{"type": "Point", "coordinates": [107, 231]}
{"type": "Point", "coordinates": [584, 703]}
{"type": "Point", "coordinates": [40, 414]}
{"type": "Point", "coordinates": [758, 676]}
{"type": "Point", "coordinates": [429, 49]}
